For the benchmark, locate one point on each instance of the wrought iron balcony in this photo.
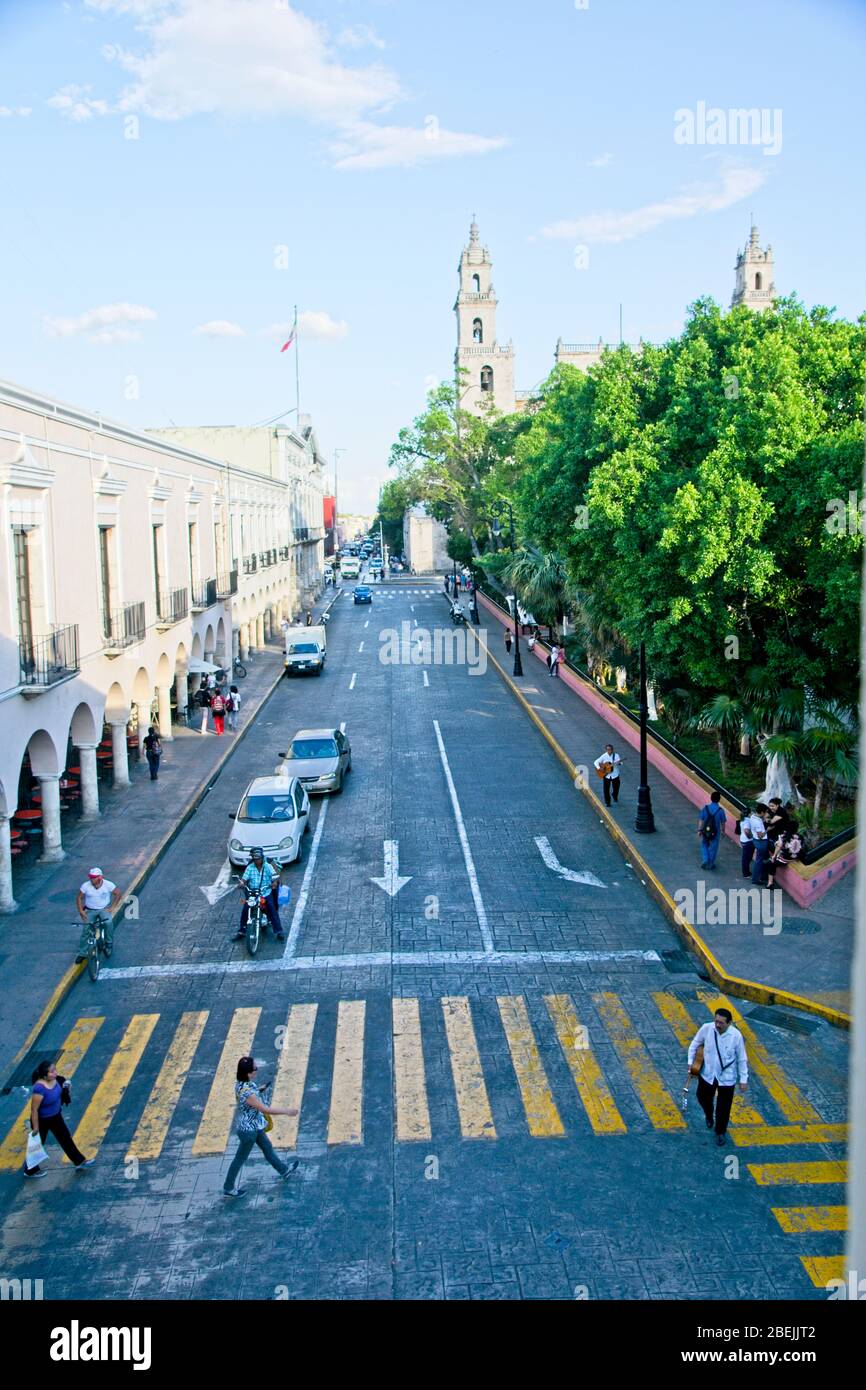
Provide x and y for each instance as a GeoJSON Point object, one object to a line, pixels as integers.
{"type": "Point", "coordinates": [284, 552]}
{"type": "Point", "coordinates": [46, 661]}
{"type": "Point", "coordinates": [124, 626]}
{"type": "Point", "coordinates": [267, 558]}
{"type": "Point", "coordinates": [227, 584]}
{"type": "Point", "coordinates": [250, 565]}
{"type": "Point", "coordinates": [204, 594]}
{"type": "Point", "coordinates": [172, 606]}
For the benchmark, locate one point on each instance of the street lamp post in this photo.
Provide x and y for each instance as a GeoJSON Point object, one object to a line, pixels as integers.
{"type": "Point", "coordinates": [644, 820]}
{"type": "Point", "coordinates": [518, 664]}
{"type": "Point", "coordinates": [475, 619]}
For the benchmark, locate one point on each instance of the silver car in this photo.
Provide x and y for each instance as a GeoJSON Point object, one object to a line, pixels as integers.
{"type": "Point", "coordinates": [319, 758]}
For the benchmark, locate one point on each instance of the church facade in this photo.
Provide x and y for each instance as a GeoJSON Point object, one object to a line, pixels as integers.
{"type": "Point", "coordinates": [484, 367]}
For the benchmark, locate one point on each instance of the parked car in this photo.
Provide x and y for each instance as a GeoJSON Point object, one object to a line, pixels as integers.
{"type": "Point", "coordinates": [362, 594]}
{"type": "Point", "coordinates": [274, 814]}
{"type": "Point", "coordinates": [319, 759]}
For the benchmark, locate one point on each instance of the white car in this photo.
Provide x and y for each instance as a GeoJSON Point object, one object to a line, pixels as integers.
{"type": "Point", "coordinates": [274, 815]}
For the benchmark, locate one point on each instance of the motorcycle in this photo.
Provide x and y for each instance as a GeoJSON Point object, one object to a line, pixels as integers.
{"type": "Point", "coordinates": [257, 921]}
{"type": "Point", "coordinates": [458, 617]}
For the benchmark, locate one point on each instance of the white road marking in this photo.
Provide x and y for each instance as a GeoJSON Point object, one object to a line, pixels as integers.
{"type": "Point", "coordinates": [480, 912]}
{"type": "Point", "coordinates": [411, 608]}
{"type": "Point", "coordinates": [415, 621]}
{"type": "Point", "coordinates": [410, 959]}
{"type": "Point", "coordinates": [352, 681]}
{"type": "Point", "coordinates": [391, 882]}
{"type": "Point", "coordinates": [424, 674]}
{"type": "Point", "coordinates": [221, 885]}
{"type": "Point", "coordinates": [301, 904]}
{"type": "Point", "coordinates": [361, 648]}
{"type": "Point", "coordinates": [367, 623]}
{"type": "Point", "coordinates": [572, 875]}
{"type": "Point", "coordinates": [343, 727]}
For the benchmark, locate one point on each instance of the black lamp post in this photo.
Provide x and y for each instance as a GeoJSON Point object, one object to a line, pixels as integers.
{"type": "Point", "coordinates": [475, 619]}
{"type": "Point", "coordinates": [518, 664]}
{"type": "Point", "coordinates": [644, 820]}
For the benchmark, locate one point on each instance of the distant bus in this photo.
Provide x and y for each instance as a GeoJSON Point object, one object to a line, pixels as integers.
{"type": "Point", "coordinates": [350, 568]}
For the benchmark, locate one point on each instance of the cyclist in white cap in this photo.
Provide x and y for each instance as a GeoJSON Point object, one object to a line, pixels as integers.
{"type": "Point", "coordinates": [97, 899]}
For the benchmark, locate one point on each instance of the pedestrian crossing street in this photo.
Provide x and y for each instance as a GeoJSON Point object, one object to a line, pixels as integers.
{"type": "Point", "coordinates": [350, 1049]}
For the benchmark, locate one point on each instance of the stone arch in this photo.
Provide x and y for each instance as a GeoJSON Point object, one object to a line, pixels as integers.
{"type": "Point", "coordinates": [208, 639]}
{"type": "Point", "coordinates": [5, 809]}
{"type": "Point", "coordinates": [142, 687]}
{"type": "Point", "coordinates": [196, 647]}
{"type": "Point", "coordinates": [181, 660]}
{"type": "Point", "coordinates": [116, 704]}
{"type": "Point", "coordinates": [45, 758]}
{"type": "Point", "coordinates": [221, 634]}
{"type": "Point", "coordinates": [83, 725]}
{"type": "Point", "coordinates": [164, 674]}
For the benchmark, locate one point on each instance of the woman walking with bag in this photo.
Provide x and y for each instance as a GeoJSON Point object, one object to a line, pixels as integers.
{"type": "Point", "coordinates": [50, 1092]}
{"type": "Point", "coordinates": [253, 1122]}
{"type": "Point", "coordinates": [233, 704]}
{"type": "Point", "coordinates": [218, 710]}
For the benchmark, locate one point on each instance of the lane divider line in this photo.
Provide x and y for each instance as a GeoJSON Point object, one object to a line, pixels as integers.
{"type": "Point", "coordinates": [480, 911]}
{"type": "Point", "coordinates": [352, 681]}
{"type": "Point", "coordinates": [301, 904]}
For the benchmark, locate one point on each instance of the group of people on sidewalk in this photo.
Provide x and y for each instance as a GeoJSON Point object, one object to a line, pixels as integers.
{"type": "Point", "coordinates": [769, 839]}
{"type": "Point", "coordinates": [222, 701]}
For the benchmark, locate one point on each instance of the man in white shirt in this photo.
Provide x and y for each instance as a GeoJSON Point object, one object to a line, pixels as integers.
{"type": "Point", "coordinates": [724, 1065]}
{"type": "Point", "coordinates": [612, 761]}
{"type": "Point", "coordinates": [752, 830]}
{"type": "Point", "coordinates": [97, 899]}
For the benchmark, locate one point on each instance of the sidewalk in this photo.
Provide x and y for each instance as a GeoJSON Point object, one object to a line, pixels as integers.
{"type": "Point", "coordinates": [136, 826]}
{"type": "Point", "coordinates": [779, 945]}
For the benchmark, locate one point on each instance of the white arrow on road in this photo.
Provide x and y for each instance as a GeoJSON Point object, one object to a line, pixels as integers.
{"type": "Point", "coordinates": [391, 881]}
{"type": "Point", "coordinates": [572, 875]}
{"type": "Point", "coordinates": [221, 885]}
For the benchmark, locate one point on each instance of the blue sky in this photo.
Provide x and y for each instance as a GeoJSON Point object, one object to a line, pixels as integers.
{"type": "Point", "coordinates": [143, 276]}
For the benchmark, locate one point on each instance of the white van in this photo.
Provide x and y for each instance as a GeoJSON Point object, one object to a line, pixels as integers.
{"type": "Point", "coordinates": [305, 649]}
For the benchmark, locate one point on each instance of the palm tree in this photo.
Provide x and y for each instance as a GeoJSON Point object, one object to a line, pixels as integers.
{"type": "Point", "coordinates": [724, 715]}
{"type": "Point", "coordinates": [540, 580]}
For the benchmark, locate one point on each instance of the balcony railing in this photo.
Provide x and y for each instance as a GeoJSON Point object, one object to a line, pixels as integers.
{"type": "Point", "coordinates": [250, 565]}
{"type": "Point", "coordinates": [204, 594]}
{"type": "Point", "coordinates": [46, 661]}
{"type": "Point", "coordinates": [267, 558]}
{"type": "Point", "coordinates": [283, 552]}
{"type": "Point", "coordinates": [124, 626]}
{"type": "Point", "coordinates": [302, 533]}
{"type": "Point", "coordinates": [227, 584]}
{"type": "Point", "coordinates": [172, 606]}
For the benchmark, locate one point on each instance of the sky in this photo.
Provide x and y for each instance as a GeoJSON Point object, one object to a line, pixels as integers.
{"type": "Point", "coordinates": [178, 175]}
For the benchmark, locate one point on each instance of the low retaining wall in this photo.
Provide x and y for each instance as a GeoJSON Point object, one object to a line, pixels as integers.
{"type": "Point", "coordinates": [805, 883]}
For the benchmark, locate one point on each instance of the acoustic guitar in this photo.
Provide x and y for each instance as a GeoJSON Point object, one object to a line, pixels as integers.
{"type": "Point", "coordinates": [604, 770]}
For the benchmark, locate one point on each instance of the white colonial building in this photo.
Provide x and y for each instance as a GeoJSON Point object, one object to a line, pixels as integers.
{"type": "Point", "coordinates": [425, 542]}
{"type": "Point", "coordinates": [127, 561]}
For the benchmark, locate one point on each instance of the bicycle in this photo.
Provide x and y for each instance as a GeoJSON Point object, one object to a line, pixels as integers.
{"type": "Point", "coordinates": [98, 945]}
{"type": "Point", "coordinates": [238, 669]}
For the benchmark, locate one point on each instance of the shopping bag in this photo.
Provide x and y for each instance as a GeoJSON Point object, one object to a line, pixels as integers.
{"type": "Point", "coordinates": [284, 896]}
{"type": "Point", "coordinates": [35, 1152]}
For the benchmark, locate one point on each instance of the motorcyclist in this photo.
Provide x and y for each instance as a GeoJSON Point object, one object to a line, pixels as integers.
{"type": "Point", "coordinates": [258, 878]}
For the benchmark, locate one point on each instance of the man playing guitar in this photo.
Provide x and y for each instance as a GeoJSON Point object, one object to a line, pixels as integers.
{"type": "Point", "coordinates": [607, 767]}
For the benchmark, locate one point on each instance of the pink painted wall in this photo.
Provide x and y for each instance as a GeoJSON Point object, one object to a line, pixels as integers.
{"type": "Point", "coordinates": [803, 889]}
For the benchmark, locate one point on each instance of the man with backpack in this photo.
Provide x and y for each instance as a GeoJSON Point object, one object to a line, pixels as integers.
{"type": "Point", "coordinates": [710, 828]}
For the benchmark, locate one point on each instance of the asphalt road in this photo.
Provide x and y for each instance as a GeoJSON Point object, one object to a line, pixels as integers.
{"type": "Point", "coordinates": [488, 1063]}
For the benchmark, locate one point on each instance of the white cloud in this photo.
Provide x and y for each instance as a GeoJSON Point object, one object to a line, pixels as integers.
{"type": "Point", "coordinates": [220, 328]}
{"type": "Point", "coordinates": [359, 36]}
{"type": "Point", "coordinates": [601, 161]}
{"type": "Point", "coordinates": [364, 145]}
{"type": "Point", "coordinates": [106, 324]}
{"type": "Point", "coordinates": [16, 111]}
{"type": "Point", "coordinates": [74, 103]}
{"type": "Point", "coordinates": [312, 323]}
{"type": "Point", "coordinates": [695, 199]}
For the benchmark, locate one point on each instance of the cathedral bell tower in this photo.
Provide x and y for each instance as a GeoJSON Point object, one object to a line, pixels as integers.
{"type": "Point", "coordinates": [489, 366]}
{"type": "Point", "coordinates": [754, 285]}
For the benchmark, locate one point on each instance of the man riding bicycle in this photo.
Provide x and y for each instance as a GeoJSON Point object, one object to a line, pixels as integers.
{"type": "Point", "coordinates": [97, 899]}
{"type": "Point", "coordinates": [258, 878]}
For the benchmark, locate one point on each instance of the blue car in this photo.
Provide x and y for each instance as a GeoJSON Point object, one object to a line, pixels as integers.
{"type": "Point", "coordinates": [362, 594]}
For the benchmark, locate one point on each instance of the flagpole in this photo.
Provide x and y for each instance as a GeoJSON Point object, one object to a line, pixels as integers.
{"type": "Point", "coordinates": [297, 373]}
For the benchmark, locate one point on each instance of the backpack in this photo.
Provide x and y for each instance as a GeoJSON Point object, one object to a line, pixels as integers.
{"type": "Point", "coordinates": [710, 826]}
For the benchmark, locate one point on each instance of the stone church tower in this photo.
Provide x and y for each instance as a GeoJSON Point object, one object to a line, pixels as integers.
{"type": "Point", "coordinates": [490, 367]}
{"type": "Point", "coordinates": [754, 285]}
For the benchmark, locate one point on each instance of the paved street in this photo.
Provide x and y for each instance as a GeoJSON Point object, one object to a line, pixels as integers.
{"type": "Point", "coordinates": [488, 1064]}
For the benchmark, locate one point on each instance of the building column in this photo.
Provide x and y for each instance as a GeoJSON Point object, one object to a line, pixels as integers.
{"type": "Point", "coordinates": [260, 630]}
{"type": "Point", "coordinates": [7, 902]}
{"type": "Point", "coordinates": [236, 643]}
{"type": "Point", "coordinates": [120, 752]}
{"type": "Point", "coordinates": [143, 721]}
{"type": "Point", "coordinates": [164, 716]}
{"type": "Point", "coordinates": [243, 642]}
{"type": "Point", "coordinates": [181, 693]}
{"type": "Point", "coordinates": [52, 842]}
{"type": "Point", "coordinates": [89, 782]}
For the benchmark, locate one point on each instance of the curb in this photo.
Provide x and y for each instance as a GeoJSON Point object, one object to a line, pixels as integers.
{"type": "Point", "coordinates": [64, 985]}
{"type": "Point", "coordinates": [733, 984]}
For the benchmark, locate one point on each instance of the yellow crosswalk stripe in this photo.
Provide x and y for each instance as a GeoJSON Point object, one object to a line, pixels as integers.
{"type": "Point", "coordinates": [651, 1090]}
{"type": "Point", "coordinates": [219, 1111]}
{"type": "Point", "coordinates": [473, 1106]}
{"type": "Point", "coordinates": [75, 1046]}
{"type": "Point", "coordinates": [789, 1134]}
{"type": "Point", "coordinates": [345, 1120]}
{"type": "Point", "coordinates": [410, 1088]}
{"type": "Point", "coordinates": [677, 1015]}
{"type": "Point", "coordinates": [798, 1174]}
{"type": "Point", "coordinates": [797, 1219]}
{"type": "Point", "coordinates": [153, 1126]}
{"type": "Point", "coordinates": [822, 1268]}
{"type": "Point", "coordinates": [113, 1083]}
{"type": "Point", "coordinates": [291, 1077]}
{"type": "Point", "coordinates": [592, 1088]}
{"type": "Point", "coordinates": [542, 1116]}
{"type": "Point", "coordinates": [790, 1100]}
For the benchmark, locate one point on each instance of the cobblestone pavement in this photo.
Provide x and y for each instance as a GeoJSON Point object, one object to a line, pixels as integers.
{"type": "Point", "coordinates": [488, 1065]}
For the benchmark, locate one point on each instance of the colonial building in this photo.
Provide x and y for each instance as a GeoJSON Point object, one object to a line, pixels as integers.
{"type": "Point", "coordinates": [754, 285]}
{"type": "Point", "coordinates": [425, 542]}
{"type": "Point", "coordinates": [128, 562]}
{"type": "Point", "coordinates": [488, 364]}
